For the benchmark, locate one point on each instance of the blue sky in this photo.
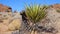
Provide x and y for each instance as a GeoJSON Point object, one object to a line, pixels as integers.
{"type": "Point", "coordinates": [19, 4]}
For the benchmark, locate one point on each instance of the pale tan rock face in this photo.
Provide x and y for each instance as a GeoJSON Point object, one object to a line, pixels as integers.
{"type": "Point", "coordinates": [10, 22]}
{"type": "Point", "coordinates": [3, 27]}
{"type": "Point", "coordinates": [15, 24]}
{"type": "Point", "coordinates": [54, 17]}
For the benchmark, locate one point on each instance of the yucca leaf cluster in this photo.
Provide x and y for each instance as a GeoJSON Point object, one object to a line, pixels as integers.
{"type": "Point", "coordinates": [35, 13]}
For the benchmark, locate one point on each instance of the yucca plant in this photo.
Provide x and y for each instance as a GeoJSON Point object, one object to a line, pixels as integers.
{"type": "Point", "coordinates": [35, 13]}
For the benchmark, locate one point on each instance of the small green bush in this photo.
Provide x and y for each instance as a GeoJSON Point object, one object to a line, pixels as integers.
{"type": "Point", "coordinates": [35, 12]}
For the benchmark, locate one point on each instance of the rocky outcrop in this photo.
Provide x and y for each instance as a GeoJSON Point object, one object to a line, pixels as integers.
{"type": "Point", "coordinates": [4, 8]}
{"type": "Point", "coordinates": [55, 6]}
{"type": "Point", "coordinates": [54, 17]}
{"type": "Point", "coordinates": [10, 22]}
{"type": "Point", "coordinates": [52, 20]}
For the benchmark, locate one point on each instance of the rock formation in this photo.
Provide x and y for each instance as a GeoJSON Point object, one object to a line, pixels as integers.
{"type": "Point", "coordinates": [4, 8]}
{"type": "Point", "coordinates": [9, 21]}
{"type": "Point", "coordinates": [55, 6]}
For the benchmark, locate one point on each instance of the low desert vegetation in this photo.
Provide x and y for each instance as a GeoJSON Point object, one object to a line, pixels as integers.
{"type": "Point", "coordinates": [35, 13]}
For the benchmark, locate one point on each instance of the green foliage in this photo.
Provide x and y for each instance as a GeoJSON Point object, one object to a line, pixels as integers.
{"type": "Point", "coordinates": [35, 12]}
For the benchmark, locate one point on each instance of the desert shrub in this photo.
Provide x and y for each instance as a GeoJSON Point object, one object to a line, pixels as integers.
{"type": "Point", "coordinates": [35, 12]}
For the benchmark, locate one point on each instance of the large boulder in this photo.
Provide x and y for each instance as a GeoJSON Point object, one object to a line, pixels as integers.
{"type": "Point", "coordinates": [10, 22]}
{"type": "Point", "coordinates": [54, 17]}
{"type": "Point", "coordinates": [52, 20]}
